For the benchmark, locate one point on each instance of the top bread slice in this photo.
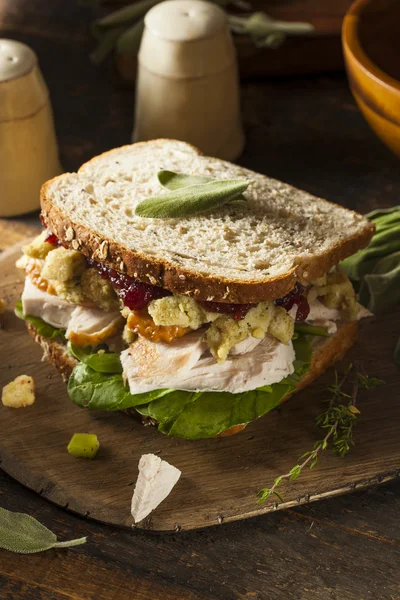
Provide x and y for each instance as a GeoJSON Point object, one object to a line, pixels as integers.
{"type": "Point", "coordinates": [243, 252]}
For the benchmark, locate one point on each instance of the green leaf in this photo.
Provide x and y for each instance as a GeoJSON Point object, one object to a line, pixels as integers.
{"type": "Point", "coordinates": [43, 328]}
{"type": "Point", "coordinates": [176, 181]}
{"type": "Point", "coordinates": [263, 495]}
{"type": "Point", "coordinates": [311, 330]}
{"type": "Point", "coordinates": [23, 534]}
{"type": "Point", "coordinates": [105, 45]}
{"type": "Point", "coordinates": [380, 289]}
{"type": "Point", "coordinates": [202, 415]}
{"type": "Point", "coordinates": [397, 353]}
{"type": "Point", "coordinates": [188, 415]}
{"type": "Point", "coordinates": [279, 496]}
{"type": "Point", "coordinates": [191, 200]}
{"type": "Point", "coordinates": [125, 16]}
{"type": "Point", "coordinates": [382, 212]}
{"type": "Point", "coordinates": [385, 241]}
{"type": "Point", "coordinates": [295, 472]}
{"type": "Point", "coordinates": [103, 362]}
{"type": "Point", "coordinates": [129, 41]}
{"type": "Point", "coordinates": [104, 391]}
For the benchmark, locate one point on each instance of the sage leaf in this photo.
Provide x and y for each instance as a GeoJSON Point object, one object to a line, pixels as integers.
{"type": "Point", "coordinates": [191, 200]}
{"type": "Point", "coordinates": [175, 181]}
{"type": "Point", "coordinates": [266, 32]}
{"type": "Point", "coordinates": [129, 41]}
{"type": "Point", "coordinates": [105, 45]}
{"type": "Point", "coordinates": [375, 270]}
{"type": "Point", "coordinates": [23, 534]}
{"type": "Point", "coordinates": [125, 16]}
{"type": "Point", "coordinates": [380, 290]}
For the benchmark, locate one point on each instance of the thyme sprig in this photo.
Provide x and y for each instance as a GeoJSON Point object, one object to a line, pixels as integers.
{"type": "Point", "coordinates": [338, 420]}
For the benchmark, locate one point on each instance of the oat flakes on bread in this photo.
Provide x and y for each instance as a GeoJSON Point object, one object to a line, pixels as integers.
{"type": "Point", "coordinates": [244, 252]}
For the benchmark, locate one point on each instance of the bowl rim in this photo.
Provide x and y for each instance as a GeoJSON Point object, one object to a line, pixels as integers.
{"type": "Point", "coordinates": [351, 42]}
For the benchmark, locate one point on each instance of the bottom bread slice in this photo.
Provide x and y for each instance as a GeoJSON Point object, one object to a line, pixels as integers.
{"type": "Point", "coordinates": [326, 352]}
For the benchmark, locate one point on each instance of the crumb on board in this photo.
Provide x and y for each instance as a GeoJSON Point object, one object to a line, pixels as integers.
{"type": "Point", "coordinates": [19, 393]}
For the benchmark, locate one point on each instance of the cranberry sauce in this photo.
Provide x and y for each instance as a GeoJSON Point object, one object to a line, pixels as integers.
{"type": "Point", "coordinates": [137, 295]}
{"type": "Point", "coordinates": [295, 296]}
{"type": "Point", "coordinates": [237, 311]}
{"type": "Point", "coordinates": [52, 239]}
{"type": "Point", "coordinates": [133, 293]}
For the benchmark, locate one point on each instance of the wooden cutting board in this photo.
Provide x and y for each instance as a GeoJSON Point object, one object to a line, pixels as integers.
{"type": "Point", "coordinates": [220, 477]}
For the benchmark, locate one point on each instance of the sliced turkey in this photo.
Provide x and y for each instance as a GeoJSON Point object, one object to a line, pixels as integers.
{"type": "Point", "coordinates": [189, 366]}
{"type": "Point", "coordinates": [326, 317]}
{"type": "Point", "coordinates": [92, 326]}
{"type": "Point", "coordinates": [151, 362]}
{"type": "Point", "coordinates": [85, 326]}
{"type": "Point", "coordinates": [48, 307]}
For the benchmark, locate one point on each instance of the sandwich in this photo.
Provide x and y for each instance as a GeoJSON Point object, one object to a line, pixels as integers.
{"type": "Point", "coordinates": [197, 323]}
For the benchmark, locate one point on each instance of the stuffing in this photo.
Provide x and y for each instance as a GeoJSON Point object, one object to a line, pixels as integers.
{"type": "Point", "coordinates": [70, 291]}
{"type": "Point", "coordinates": [264, 318]}
{"type": "Point", "coordinates": [38, 248]}
{"type": "Point", "coordinates": [336, 292]}
{"type": "Point", "coordinates": [19, 393]}
{"type": "Point", "coordinates": [128, 336]}
{"type": "Point", "coordinates": [179, 310]}
{"type": "Point", "coordinates": [99, 290]}
{"type": "Point", "coordinates": [62, 265]}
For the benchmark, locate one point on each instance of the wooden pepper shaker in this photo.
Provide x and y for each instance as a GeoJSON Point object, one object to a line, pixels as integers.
{"type": "Point", "coordinates": [187, 87]}
{"type": "Point", "coordinates": [28, 147]}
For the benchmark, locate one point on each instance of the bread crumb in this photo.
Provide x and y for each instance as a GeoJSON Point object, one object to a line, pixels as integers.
{"type": "Point", "coordinates": [19, 393]}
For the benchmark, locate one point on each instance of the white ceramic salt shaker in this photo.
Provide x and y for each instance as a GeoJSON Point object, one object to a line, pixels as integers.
{"type": "Point", "coordinates": [28, 147]}
{"type": "Point", "coordinates": [187, 87]}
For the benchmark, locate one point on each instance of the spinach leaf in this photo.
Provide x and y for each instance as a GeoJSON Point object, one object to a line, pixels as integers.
{"type": "Point", "coordinates": [210, 413]}
{"type": "Point", "coordinates": [104, 391]}
{"type": "Point", "coordinates": [311, 330]}
{"type": "Point", "coordinates": [195, 415]}
{"type": "Point", "coordinates": [182, 414]}
{"type": "Point", "coordinates": [105, 362]}
{"type": "Point", "coordinates": [43, 328]}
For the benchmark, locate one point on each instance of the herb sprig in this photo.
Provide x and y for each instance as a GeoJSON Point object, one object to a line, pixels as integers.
{"type": "Point", "coordinates": [122, 30]}
{"type": "Point", "coordinates": [338, 420]}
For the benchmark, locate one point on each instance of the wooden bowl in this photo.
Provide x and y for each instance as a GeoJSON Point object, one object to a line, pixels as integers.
{"type": "Point", "coordinates": [371, 45]}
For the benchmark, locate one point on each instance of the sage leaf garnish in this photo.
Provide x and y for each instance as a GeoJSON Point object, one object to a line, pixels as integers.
{"type": "Point", "coordinates": [23, 534]}
{"type": "Point", "coordinates": [192, 199]}
{"type": "Point", "coordinates": [175, 181]}
{"type": "Point", "coordinates": [129, 41]}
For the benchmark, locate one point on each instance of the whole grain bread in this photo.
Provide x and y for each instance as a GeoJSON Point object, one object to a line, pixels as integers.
{"type": "Point", "coordinates": [326, 351]}
{"type": "Point", "coordinates": [243, 252]}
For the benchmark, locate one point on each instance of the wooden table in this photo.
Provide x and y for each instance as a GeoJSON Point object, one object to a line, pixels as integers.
{"type": "Point", "coordinates": [307, 132]}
